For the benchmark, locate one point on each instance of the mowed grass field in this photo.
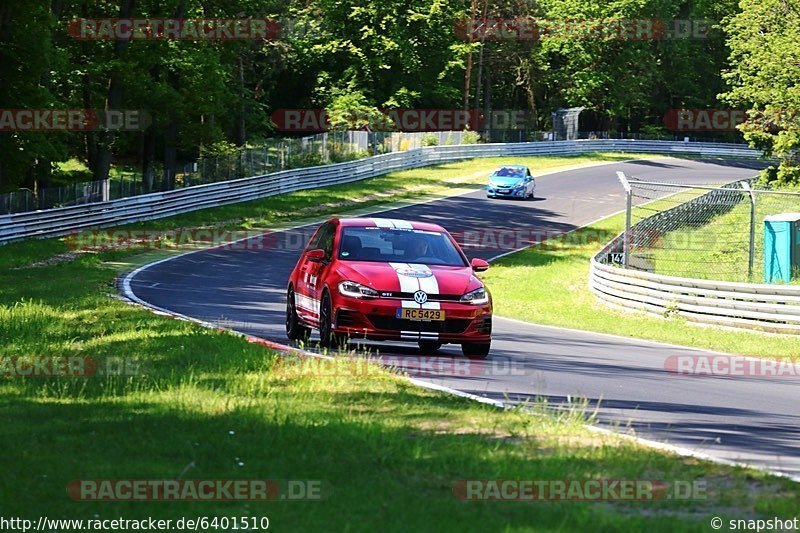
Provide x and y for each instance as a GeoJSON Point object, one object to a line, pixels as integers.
{"type": "Point", "coordinates": [177, 401]}
{"type": "Point", "coordinates": [719, 249]}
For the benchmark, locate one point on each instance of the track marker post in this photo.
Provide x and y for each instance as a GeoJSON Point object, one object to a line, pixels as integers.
{"type": "Point", "coordinates": [628, 206]}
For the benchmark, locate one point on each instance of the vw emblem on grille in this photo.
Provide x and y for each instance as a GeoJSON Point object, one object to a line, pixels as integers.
{"type": "Point", "coordinates": [420, 297]}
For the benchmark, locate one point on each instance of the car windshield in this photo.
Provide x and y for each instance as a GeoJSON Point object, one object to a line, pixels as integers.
{"type": "Point", "coordinates": [393, 245]}
{"type": "Point", "coordinates": [509, 172]}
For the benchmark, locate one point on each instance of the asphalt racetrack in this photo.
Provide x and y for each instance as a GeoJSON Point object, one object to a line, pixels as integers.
{"type": "Point", "coordinates": [750, 419]}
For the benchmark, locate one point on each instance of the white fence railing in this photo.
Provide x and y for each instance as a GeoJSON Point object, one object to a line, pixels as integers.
{"type": "Point", "coordinates": [764, 307]}
{"type": "Point", "coordinates": [62, 221]}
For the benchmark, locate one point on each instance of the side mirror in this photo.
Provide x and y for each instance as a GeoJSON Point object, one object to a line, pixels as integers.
{"type": "Point", "coordinates": [317, 255]}
{"type": "Point", "coordinates": [479, 265]}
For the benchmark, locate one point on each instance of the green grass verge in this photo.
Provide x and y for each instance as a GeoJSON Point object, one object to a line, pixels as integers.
{"type": "Point", "coordinates": [206, 404]}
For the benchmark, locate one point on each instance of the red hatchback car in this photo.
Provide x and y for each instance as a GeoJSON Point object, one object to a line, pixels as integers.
{"type": "Point", "coordinates": [389, 279]}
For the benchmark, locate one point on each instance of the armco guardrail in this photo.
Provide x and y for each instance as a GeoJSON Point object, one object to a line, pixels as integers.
{"type": "Point", "coordinates": [771, 308]}
{"type": "Point", "coordinates": [62, 221]}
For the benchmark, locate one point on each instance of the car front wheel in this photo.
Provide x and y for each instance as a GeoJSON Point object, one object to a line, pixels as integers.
{"type": "Point", "coordinates": [294, 329]}
{"type": "Point", "coordinates": [327, 337]}
{"type": "Point", "coordinates": [476, 350]}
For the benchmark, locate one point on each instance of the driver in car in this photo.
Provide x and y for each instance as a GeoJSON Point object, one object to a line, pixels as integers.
{"type": "Point", "coordinates": [419, 251]}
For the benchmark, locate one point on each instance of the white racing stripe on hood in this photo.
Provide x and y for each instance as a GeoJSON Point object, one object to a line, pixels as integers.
{"type": "Point", "coordinates": [429, 283]}
{"type": "Point", "coordinates": [382, 222]}
{"type": "Point", "coordinates": [402, 224]}
{"type": "Point", "coordinates": [407, 283]}
{"type": "Point", "coordinates": [413, 284]}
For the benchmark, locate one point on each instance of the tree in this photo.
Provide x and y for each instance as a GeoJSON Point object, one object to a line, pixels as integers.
{"type": "Point", "coordinates": [26, 58]}
{"type": "Point", "coordinates": [765, 77]}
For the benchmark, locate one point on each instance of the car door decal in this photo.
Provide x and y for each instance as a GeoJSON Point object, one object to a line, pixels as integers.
{"type": "Point", "coordinates": [306, 302]}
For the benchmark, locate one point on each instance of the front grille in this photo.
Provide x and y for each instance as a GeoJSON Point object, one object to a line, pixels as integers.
{"type": "Point", "coordinates": [398, 324]}
{"type": "Point", "coordinates": [431, 297]}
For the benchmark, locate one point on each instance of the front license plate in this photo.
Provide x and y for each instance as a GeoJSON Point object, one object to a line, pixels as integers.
{"type": "Point", "coordinates": [420, 314]}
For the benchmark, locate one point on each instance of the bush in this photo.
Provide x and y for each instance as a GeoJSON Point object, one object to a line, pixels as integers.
{"type": "Point", "coordinates": [304, 159]}
{"type": "Point", "coordinates": [782, 176]}
{"type": "Point", "coordinates": [341, 157]}
{"type": "Point", "coordinates": [470, 137]}
{"type": "Point", "coordinates": [788, 174]}
{"type": "Point", "coordinates": [652, 130]}
{"type": "Point", "coordinates": [768, 176]}
{"type": "Point", "coordinates": [217, 149]}
{"type": "Point", "coordinates": [430, 140]}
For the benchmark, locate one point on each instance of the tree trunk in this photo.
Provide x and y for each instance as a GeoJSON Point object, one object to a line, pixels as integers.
{"type": "Point", "coordinates": [170, 152]}
{"type": "Point", "coordinates": [5, 35]}
{"type": "Point", "coordinates": [114, 101]}
{"type": "Point", "coordinates": [468, 75]}
{"type": "Point", "coordinates": [487, 104]}
{"type": "Point", "coordinates": [241, 131]}
{"type": "Point", "coordinates": [171, 130]}
{"type": "Point", "coordinates": [148, 158]}
{"type": "Point", "coordinates": [90, 137]}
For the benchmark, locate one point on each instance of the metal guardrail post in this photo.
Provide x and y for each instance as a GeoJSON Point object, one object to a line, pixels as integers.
{"type": "Point", "coordinates": [752, 245]}
{"type": "Point", "coordinates": [626, 247]}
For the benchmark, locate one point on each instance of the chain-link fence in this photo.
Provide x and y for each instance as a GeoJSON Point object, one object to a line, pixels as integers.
{"type": "Point", "coordinates": [73, 194]}
{"type": "Point", "coordinates": [706, 231]}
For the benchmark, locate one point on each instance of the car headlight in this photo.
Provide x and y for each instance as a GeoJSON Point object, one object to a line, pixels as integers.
{"type": "Point", "coordinates": [519, 186]}
{"type": "Point", "coordinates": [476, 297]}
{"type": "Point", "coordinates": [356, 290]}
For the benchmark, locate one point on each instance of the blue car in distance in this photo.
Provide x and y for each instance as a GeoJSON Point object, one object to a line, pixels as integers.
{"type": "Point", "coordinates": [511, 181]}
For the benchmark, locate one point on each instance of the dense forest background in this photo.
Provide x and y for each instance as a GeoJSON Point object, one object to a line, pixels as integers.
{"type": "Point", "coordinates": [209, 96]}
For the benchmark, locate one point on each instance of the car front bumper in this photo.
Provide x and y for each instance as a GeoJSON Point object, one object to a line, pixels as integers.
{"type": "Point", "coordinates": [376, 319]}
{"type": "Point", "coordinates": [504, 193]}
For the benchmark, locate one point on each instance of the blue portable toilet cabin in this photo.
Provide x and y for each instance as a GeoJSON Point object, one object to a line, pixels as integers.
{"type": "Point", "coordinates": [781, 247]}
